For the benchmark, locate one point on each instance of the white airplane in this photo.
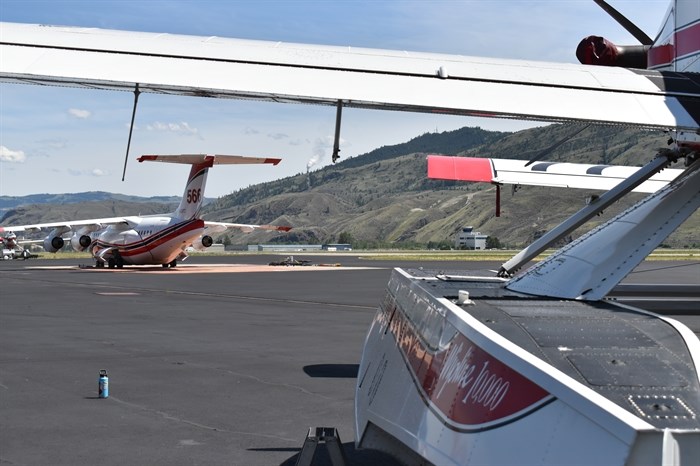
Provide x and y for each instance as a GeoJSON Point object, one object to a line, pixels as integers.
{"type": "Point", "coordinates": [150, 239]}
{"type": "Point", "coordinates": [534, 368]}
{"type": "Point", "coordinates": [12, 248]}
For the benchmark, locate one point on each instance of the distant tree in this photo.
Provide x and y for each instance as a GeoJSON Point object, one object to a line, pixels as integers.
{"type": "Point", "coordinates": [226, 241]}
{"type": "Point", "coordinates": [493, 243]}
{"type": "Point", "coordinates": [345, 238]}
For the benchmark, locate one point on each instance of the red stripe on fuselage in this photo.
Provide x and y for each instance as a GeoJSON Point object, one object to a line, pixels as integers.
{"type": "Point", "coordinates": [685, 42]}
{"type": "Point", "coordinates": [155, 240]}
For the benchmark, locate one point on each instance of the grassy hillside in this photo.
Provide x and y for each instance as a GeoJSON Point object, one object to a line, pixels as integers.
{"type": "Point", "coordinates": [383, 198]}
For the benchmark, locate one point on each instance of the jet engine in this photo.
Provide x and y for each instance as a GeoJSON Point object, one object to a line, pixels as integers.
{"type": "Point", "coordinates": [81, 239]}
{"type": "Point", "coordinates": [203, 242]}
{"type": "Point", "coordinates": [53, 242]}
{"type": "Point", "coordinates": [80, 242]}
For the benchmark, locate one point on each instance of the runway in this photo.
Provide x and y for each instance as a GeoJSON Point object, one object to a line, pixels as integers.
{"type": "Point", "coordinates": [227, 361]}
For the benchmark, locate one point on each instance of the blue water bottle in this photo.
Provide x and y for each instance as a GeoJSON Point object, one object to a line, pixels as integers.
{"type": "Point", "coordinates": [103, 390]}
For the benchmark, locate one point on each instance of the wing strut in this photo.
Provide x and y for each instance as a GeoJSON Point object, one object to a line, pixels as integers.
{"type": "Point", "coordinates": [131, 128]}
{"type": "Point", "coordinates": [540, 155]}
{"type": "Point", "coordinates": [336, 140]}
{"type": "Point", "coordinates": [661, 161]}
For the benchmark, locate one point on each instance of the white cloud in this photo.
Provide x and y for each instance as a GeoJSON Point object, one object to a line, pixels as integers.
{"type": "Point", "coordinates": [99, 172]}
{"type": "Point", "coordinates": [183, 128]}
{"type": "Point", "coordinates": [79, 113]}
{"type": "Point", "coordinates": [12, 156]}
{"type": "Point", "coordinates": [277, 136]}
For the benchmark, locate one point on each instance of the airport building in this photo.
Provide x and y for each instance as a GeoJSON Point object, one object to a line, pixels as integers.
{"type": "Point", "coordinates": [467, 238]}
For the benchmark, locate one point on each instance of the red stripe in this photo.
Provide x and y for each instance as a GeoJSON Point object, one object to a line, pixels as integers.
{"type": "Point", "coordinates": [466, 384]}
{"type": "Point", "coordinates": [149, 243]}
{"type": "Point", "coordinates": [441, 167]}
{"type": "Point", "coordinates": [662, 55]}
{"type": "Point", "coordinates": [687, 41]}
{"type": "Point", "coordinates": [197, 224]}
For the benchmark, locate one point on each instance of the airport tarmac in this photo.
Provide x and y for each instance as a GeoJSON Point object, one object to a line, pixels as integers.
{"type": "Point", "coordinates": [227, 366]}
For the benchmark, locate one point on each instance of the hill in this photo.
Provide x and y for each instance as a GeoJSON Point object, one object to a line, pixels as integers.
{"type": "Point", "coordinates": [49, 212]}
{"type": "Point", "coordinates": [383, 198]}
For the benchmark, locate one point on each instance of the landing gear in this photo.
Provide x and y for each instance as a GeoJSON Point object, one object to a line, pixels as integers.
{"type": "Point", "coordinates": [172, 263]}
{"type": "Point", "coordinates": [99, 264]}
{"type": "Point", "coordinates": [115, 261]}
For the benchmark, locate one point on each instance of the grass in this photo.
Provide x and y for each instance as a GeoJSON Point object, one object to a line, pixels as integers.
{"type": "Point", "coordinates": [403, 255]}
{"type": "Point", "coordinates": [503, 255]}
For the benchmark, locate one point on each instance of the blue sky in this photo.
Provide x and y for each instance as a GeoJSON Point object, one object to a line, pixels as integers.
{"type": "Point", "coordinates": [58, 140]}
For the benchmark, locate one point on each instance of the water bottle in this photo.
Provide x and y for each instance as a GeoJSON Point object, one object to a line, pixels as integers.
{"type": "Point", "coordinates": [103, 386]}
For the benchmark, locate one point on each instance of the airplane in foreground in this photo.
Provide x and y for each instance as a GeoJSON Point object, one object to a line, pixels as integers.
{"type": "Point", "coordinates": [151, 239]}
{"type": "Point", "coordinates": [531, 367]}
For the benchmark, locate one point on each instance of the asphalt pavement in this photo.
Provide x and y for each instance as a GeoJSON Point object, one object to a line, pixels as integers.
{"type": "Point", "coordinates": [226, 368]}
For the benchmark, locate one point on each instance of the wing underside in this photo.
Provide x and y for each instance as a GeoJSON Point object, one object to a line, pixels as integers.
{"type": "Point", "coordinates": [364, 78]}
{"type": "Point", "coordinates": [95, 223]}
{"type": "Point", "coordinates": [219, 227]}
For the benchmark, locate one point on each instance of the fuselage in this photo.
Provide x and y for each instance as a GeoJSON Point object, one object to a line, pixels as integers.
{"type": "Point", "coordinates": [154, 239]}
{"type": "Point", "coordinates": [677, 47]}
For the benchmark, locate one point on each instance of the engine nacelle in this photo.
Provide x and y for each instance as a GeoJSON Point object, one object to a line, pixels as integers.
{"type": "Point", "coordinates": [203, 242]}
{"type": "Point", "coordinates": [80, 242]}
{"type": "Point", "coordinates": [53, 243]}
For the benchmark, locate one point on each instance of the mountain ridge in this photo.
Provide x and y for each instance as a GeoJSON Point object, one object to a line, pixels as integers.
{"type": "Point", "coordinates": [383, 198]}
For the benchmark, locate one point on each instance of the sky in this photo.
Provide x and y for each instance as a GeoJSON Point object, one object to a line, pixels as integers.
{"type": "Point", "coordinates": [61, 140]}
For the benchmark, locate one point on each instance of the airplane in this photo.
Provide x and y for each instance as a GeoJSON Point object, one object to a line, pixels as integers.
{"type": "Point", "coordinates": [12, 249]}
{"type": "Point", "coordinates": [151, 239]}
{"type": "Point", "coordinates": [531, 367]}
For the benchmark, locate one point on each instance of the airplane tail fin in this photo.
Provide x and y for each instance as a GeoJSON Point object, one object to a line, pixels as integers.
{"type": "Point", "coordinates": [191, 203]}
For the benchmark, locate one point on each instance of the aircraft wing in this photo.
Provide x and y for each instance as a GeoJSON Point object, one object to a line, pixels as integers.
{"type": "Point", "coordinates": [218, 227]}
{"type": "Point", "coordinates": [96, 223]}
{"type": "Point", "coordinates": [353, 77]}
{"type": "Point", "coordinates": [557, 174]}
